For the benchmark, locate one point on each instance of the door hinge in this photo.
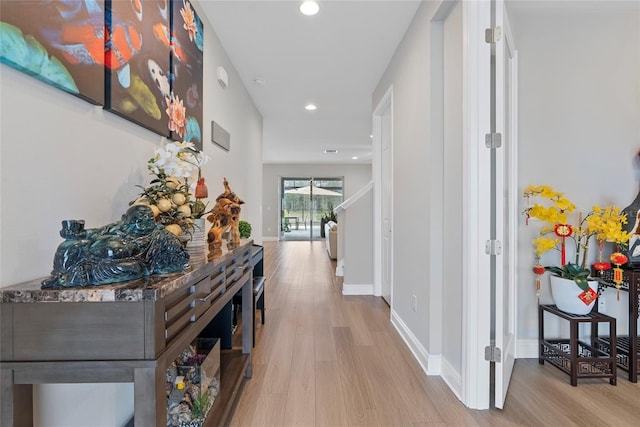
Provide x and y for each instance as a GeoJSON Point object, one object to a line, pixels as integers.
{"type": "Point", "coordinates": [493, 35]}
{"type": "Point", "coordinates": [492, 354]}
{"type": "Point", "coordinates": [493, 140]}
{"type": "Point", "coordinates": [493, 247]}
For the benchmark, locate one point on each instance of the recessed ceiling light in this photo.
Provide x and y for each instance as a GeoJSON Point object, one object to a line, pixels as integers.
{"type": "Point", "coordinates": [371, 136]}
{"type": "Point", "coordinates": [354, 158]}
{"type": "Point", "coordinates": [309, 8]}
{"type": "Point", "coordinates": [310, 107]}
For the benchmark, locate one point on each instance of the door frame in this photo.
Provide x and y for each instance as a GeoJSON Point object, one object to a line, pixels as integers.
{"type": "Point", "coordinates": [386, 102]}
{"type": "Point", "coordinates": [505, 309]}
{"type": "Point", "coordinates": [476, 271]}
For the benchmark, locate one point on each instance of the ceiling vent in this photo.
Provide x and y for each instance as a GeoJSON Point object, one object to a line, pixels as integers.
{"type": "Point", "coordinates": [331, 151]}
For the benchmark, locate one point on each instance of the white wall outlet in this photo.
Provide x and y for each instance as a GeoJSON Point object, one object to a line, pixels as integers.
{"type": "Point", "coordinates": [602, 304]}
{"type": "Point", "coordinates": [414, 302]}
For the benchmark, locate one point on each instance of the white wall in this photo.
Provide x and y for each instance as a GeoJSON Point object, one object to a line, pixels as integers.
{"type": "Point", "coordinates": [452, 190]}
{"type": "Point", "coordinates": [579, 124]}
{"type": "Point", "coordinates": [62, 158]}
{"type": "Point", "coordinates": [413, 196]}
{"type": "Point", "coordinates": [355, 177]}
{"type": "Point", "coordinates": [579, 131]}
{"type": "Point", "coordinates": [357, 238]}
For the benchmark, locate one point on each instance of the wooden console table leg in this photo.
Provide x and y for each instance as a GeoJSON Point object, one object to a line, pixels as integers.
{"type": "Point", "coordinates": [613, 351]}
{"type": "Point", "coordinates": [16, 404]}
{"type": "Point", "coordinates": [150, 409]}
{"type": "Point", "coordinates": [540, 334]}
{"type": "Point", "coordinates": [573, 345]}
{"type": "Point", "coordinates": [247, 322]}
{"type": "Point", "coordinates": [634, 302]}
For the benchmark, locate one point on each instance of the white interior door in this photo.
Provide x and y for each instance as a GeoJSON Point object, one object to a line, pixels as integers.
{"type": "Point", "coordinates": [383, 196]}
{"type": "Point", "coordinates": [504, 122]}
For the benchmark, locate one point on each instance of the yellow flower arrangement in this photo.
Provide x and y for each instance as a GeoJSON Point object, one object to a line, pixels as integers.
{"type": "Point", "coordinates": [603, 224]}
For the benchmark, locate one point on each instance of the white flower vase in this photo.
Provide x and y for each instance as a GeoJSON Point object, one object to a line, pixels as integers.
{"type": "Point", "coordinates": [566, 295]}
{"type": "Point", "coordinates": [197, 246]}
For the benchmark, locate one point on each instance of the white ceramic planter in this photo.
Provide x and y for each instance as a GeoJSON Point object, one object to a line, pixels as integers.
{"type": "Point", "coordinates": [565, 295]}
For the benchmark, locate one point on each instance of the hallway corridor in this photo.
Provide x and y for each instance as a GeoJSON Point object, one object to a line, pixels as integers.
{"type": "Point", "coordinates": [323, 359]}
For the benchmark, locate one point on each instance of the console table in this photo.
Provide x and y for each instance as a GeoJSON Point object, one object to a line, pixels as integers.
{"type": "Point", "coordinates": [577, 358]}
{"type": "Point", "coordinates": [124, 332]}
{"type": "Point", "coordinates": [628, 351]}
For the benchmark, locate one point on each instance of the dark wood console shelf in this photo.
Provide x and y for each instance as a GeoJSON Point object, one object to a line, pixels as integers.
{"type": "Point", "coordinates": [577, 358]}
{"type": "Point", "coordinates": [124, 332]}
{"type": "Point", "coordinates": [628, 349]}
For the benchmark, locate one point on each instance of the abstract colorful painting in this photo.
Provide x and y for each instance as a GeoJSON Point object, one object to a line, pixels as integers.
{"type": "Point", "coordinates": [60, 42]}
{"type": "Point", "coordinates": [141, 59]}
{"type": "Point", "coordinates": [138, 81]}
{"type": "Point", "coordinates": [185, 109]}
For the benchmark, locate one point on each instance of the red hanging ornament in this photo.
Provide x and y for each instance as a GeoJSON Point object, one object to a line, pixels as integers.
{"type": "Point", "coordinates": [202, 192]}
{"type": "Point", "coordinates": [618, 258]}
{"type": "Point", "coordinates": [539, 271]}
{"type": "Point", "coordinates": [602, 266]}
{"type": "Point", "coordinates": [563, 231]}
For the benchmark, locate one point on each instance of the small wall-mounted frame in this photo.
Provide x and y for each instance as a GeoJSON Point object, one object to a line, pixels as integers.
{"type": "Point", "coordinates": [220, 137]}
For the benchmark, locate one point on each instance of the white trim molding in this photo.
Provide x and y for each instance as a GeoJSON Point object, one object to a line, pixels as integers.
{"type": "Point", "coordinates": [430, 364]}
{"type": "Point", "coordinates": [527, 349]}
{"type": "Point", "coordinates": [348, 289]}
{"type": "Point", "coordinates": [340, 268]}
{"type": "Point", "coordinates": [351, 200]}
{"type": "Point", "coordinates": [452, 378]}
{"type": "Point", "coordinates": [476, 306]}
{"type": "Point", "coordinates": [386, 102]}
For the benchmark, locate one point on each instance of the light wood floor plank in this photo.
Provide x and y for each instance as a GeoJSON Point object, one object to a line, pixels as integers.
{"type": "Point", "coordinates": [357, 394]}
{"type": "Point", "coordinates": [327, 360]}
{"type": "Point", "coordinates": [330, 408]}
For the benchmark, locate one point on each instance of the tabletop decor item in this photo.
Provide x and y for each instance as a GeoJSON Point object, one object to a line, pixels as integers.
{"type": "Point", "coordinates": [245, 229]}
{"type": "Point", "coordinates": [176, 192]}
{"type": "Point", "coordinates": [600, 224]}
{"type": "Point", "coordinates": [225, 216]}
{"type": "Point", "coordinates": [128, 249]}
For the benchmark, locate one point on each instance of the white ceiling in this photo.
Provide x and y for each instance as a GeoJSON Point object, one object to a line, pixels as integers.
{"type": "Point", "coordinates": [333, 59]}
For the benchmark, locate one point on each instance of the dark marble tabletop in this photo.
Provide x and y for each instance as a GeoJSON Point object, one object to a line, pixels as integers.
{"type": "Point", "coordinates": [149, 288]}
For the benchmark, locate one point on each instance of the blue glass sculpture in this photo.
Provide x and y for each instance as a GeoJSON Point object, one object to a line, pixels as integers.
{"type": "Point", "coordinates": [131, 248]}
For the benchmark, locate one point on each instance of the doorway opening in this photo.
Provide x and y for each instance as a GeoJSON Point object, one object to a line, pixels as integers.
{"type": "Point", "coordinates": [306, 203]}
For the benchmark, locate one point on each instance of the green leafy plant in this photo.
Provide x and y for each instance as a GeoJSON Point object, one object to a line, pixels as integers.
{"type": "Point", "coordinates": [245, 229]}
{"type": "Point", "coordinates": [200, 406]}
{"type": "Point", "coordinates": [331, 215]}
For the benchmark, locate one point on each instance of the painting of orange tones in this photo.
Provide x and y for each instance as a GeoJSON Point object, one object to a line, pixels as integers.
{"type": "Point", "coordinates": [185, 105]}
{"type": "Point", "coordinates": [141, 59]}
{"type": "Point", "coordinates": [138, 80]}
{"type": "Point", "coordinates": [58, 42]}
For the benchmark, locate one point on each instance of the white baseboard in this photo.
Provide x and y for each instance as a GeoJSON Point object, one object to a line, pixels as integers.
{"type": "Point", "coordinates": [452, 378]}
{"type": "Point", "coordinates": [527, 349]}
{"type": "Point", "coordinates": [269, 239]}
{"type": "Point", "coordinates": [340, 268]}
{"type": "Point", "coordinates": [430, 364]}
{"type": "Point", "coordinates": [357, 289]}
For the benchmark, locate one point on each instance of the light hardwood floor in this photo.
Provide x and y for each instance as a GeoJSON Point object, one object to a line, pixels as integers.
{"type": "Point", "coordinates": [324, 359]}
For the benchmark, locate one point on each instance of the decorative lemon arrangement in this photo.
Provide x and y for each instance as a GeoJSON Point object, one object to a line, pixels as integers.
{"type": "Point", "coordinates": [600, 224]}
{"type": "Point", "coordinates": [175, 193]}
